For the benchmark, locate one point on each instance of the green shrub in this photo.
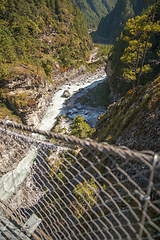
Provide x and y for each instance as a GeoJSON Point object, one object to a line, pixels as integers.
{"type": "Point", "coordinates": [80, 128]}
{"type": "Point", "coordinates": [48, 70]}
{"type": "Point", "coordinates": [145, 99]}
{"type": "Point", "coordinates": [85, 193]}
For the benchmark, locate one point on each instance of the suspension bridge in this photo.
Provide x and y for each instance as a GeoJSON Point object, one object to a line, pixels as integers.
{"type": "Point", "coordinates": [55, 186]}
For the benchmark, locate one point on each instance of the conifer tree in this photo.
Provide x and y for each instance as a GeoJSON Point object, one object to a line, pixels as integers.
{"type": "Point", "coordinates": [140, 30]}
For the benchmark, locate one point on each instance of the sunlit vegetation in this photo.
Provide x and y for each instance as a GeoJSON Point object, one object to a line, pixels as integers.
{"type": "Point", "coordinates": [103, 50]}
{"type": "Point", "coordinates": [85, 193]}
{"type": "Point", "coordinates": [34, 37]}
{"type": "Point", "coordinates": [135, 53]}
{"type": "Point", "coordinates": [40, 32]}
{"type": "Point", "coordinates": [80, 128]}
{"type": "Point", "coordinates": [140, 30]}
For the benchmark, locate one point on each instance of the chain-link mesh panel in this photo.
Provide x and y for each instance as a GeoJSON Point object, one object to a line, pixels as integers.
{"type": "Point", "coordinates": [79, 189]}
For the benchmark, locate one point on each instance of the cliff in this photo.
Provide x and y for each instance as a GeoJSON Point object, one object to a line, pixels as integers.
{"type": "Point", "coordinates": [29, 94]}
{"type": "Point", "coordinates": [26, 94]}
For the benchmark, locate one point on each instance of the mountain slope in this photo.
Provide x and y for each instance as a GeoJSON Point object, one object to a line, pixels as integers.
{"type": "Point", "coordinates": [38, 39]}
{"type": "Point", "coordinates": [133, 121]}
{"type": "Point", "coordinates": [32, 30]}
{"type": "Point", "coordinates": [94, 10]}
{"type": "Point", "coordinates": [111, 25]}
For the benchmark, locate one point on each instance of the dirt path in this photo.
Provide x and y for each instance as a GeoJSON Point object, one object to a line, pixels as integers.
{"type": "Point", "coordinates": [93, 55]}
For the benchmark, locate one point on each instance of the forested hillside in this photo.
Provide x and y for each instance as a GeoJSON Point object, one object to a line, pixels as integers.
{"type": "Point", "coordinates": [135, 56]}
{"type": "Point", "coordinates": [94, 10]}
{"type": "Point", "coordinates": [36, 37]}
{"type": "Point", "coordinates": [112, 24]}
{"type": "Point", "coordinates": [134, 68]}
{"type": "Point", "coordinates": [36, 32]}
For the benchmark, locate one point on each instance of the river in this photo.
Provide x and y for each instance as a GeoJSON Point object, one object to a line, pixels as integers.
{"type": "Point", "coordinates": [57, 106]}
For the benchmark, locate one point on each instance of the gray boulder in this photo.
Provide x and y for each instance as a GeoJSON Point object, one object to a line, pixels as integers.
{"type": "Point", "coordinates": [66, 93]}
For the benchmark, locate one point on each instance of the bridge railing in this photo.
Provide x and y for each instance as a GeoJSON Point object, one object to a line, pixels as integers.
{"type": "Point", "coordinates": [54, 186]}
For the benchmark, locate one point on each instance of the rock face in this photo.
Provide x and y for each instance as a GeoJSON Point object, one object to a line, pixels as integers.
{"type": "Point", "coordinates": [28, 96]}
{"type": "Point", "coordinates": [114, 96]}
{"type": "Point", "coordinates": [60, 77]}
{"type": "Point", "coordinates": [108, 69]}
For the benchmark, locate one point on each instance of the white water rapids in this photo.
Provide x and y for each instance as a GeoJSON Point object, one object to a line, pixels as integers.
{"type": "Point", "coordinates": [57, 106]}
{"type": "Point", "coordinates": [12, 180]}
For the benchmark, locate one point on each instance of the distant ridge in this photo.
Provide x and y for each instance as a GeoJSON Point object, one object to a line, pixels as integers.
{"type": "Point", "coordinates": [112, 24]}
{"type": "Point", "coordinates": [94, 10]}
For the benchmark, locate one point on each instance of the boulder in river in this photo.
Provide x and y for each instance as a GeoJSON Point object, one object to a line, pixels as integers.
{"type": "Point", "coordinates": [66, 93]}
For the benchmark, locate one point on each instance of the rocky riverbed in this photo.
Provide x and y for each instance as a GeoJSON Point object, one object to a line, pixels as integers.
{"type": "Point", "coordinates": [66, 105]}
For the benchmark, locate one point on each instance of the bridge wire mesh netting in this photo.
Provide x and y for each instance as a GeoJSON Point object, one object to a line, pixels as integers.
{"type": "Point", "coordinates": [78, 189]}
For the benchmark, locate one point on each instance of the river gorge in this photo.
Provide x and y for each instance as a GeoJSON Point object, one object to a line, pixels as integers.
{"type": "Point", "coordinates": [62, 106]}
{"type": "Point", "coordinates": [58, 106]}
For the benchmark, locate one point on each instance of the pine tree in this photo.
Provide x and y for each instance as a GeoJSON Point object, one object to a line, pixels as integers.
{"type": "Point", "coordinates": [140, 30]}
